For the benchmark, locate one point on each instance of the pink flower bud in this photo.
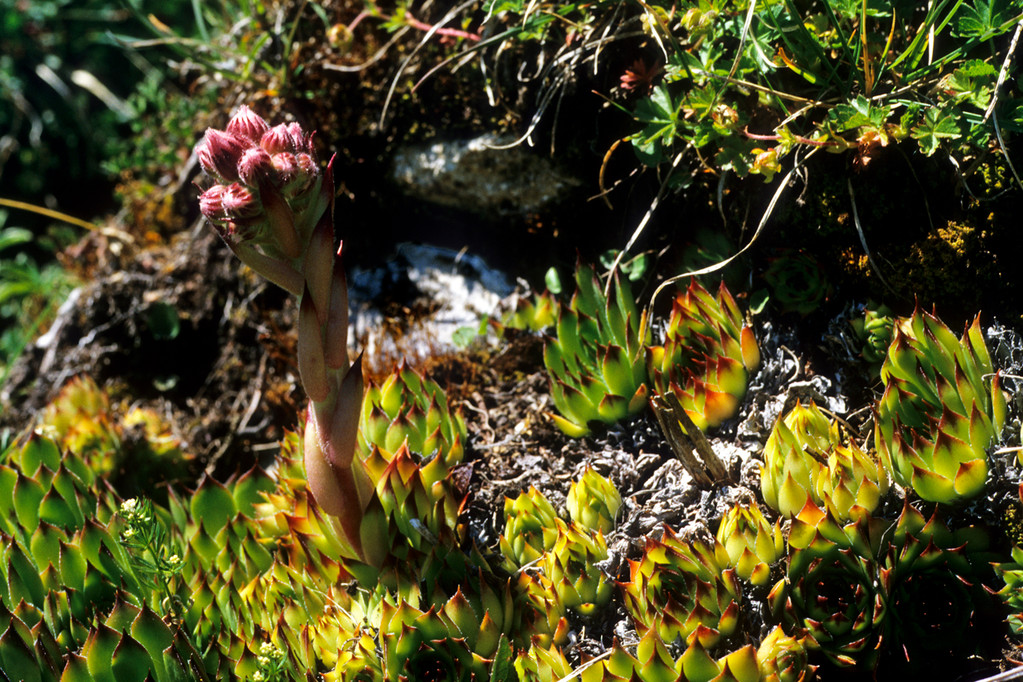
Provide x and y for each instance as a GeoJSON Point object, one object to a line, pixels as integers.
{"type": "Point", "coordinates": [286, 165]}
{"type": "Point", "coordinates": [307, 165]}
{"type": "Point", "coordinates": [228, 203]}
{"type": "Point", "coordinates": [248, 124]}
{"type": "Point", "coordinates": [211, 202]}
{"type": "Point", "coordinates": [299, 142]}
{"type": "Point", "coordinates": [239, 203]}
{"type": "Point", "coordinates": [219, 153]}
{"type": "Point", "coordinates": [256, 167]}
{"type": "Point", "coordinates": [276, 140]}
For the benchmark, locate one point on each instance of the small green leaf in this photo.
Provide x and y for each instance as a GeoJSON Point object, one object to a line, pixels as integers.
{"type": "Point", "coordinates": [758, 301]}
{"type": "Point", "coordinates": [503, 669]}
{"type": "Point", "coordinates": [28, 494]}
{"type": "Point", "coordinates": [936, 125]}
{"type": "Point", "coordinates": [151, 632]}
{"type": "Point", "coordinates": [130, 661]}
{"type": "Point", "coordinates": [76, 669]}
{"type": "Point", "coordinates": [39, 451]}
{"type": "Point", "coordinates": [45, 544]}
{"type": "Point", "coordinates": [552, 280]}
{"type": "Point", "coordinates": [464, 336]}
{"type": "Point", "coordinates": [122, 615]}
{"type": "Point", "coordinates": [17, 660]}
{"type": "Point", "coordinates": [249, 488]}
{"type": "Point", "coordinates": [53, 509]}
{"type": "Point", "coordinates": [657, 108]}
{"type": "Point", "coordinates": [99, 652]}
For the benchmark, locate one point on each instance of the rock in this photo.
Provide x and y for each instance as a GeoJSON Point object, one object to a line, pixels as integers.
{"type": "Point", "coordinates": [413, 304]}
{"type": "Point", "coordinates": [482, 175]}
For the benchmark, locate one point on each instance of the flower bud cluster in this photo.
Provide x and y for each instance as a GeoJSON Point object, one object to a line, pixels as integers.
{"type": "Point", "coordinates": [262, 173]}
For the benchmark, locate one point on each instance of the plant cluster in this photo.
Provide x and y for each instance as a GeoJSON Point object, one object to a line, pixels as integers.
{"type": "Point", "coordinates": [738, 86]}
{"type": "Point", "coordinates": [353, 560]}
{"type": "Point", "coordinates": [603, 366]}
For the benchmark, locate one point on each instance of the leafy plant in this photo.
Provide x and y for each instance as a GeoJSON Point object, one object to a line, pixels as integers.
{"type": "Point", "coordinates": [939, 413]}
{"type": "Point", "coordinates": [596, 367]}
{"type": "Point", "coordinates": [706, 356]}
{"type": "Point", "coordinates": [30, 293]}
{"type": "Point", "coordinates": [807, 458]}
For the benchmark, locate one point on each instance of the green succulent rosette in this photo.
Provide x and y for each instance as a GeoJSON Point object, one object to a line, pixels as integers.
{"type": "Point", "coordinates": [806, 458]}
{"type": "Point", "coordinates": [752, 542]}
{"type": "Point", "coordinates": [411, 409]}
{"type": "Point", "coordinates": [784, 658]}
{"type": "Point", "coordinates": [595, 362]}
{"type": "Point", "coordinates": [536, 314]}
{"type": "Point", "coordinates": [940, 610]}
{"type": "Point", "coordinates": [831, 593]}
{"type": "Point", "coordinates": [873, 333]}
{"type": "Point", "coordinates": [678, 588]}
{"type": "Point", "coordinates": [942, 408]}
{"type": "Point", "coordinates": [530, 527]}
{"type": "Point", "coordinates": [570, 569]}
{"type": "Point", "coordinates": [706, 357]}
{"type": "Point", "coordinates": [593, 502]}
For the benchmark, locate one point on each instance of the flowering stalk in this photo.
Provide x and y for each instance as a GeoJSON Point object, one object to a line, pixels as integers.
{"type": "Point", "coordinates": [273, 207]}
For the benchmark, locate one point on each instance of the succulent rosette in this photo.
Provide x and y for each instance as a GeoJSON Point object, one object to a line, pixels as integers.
{"type": "Point", "coordinates": [678, 588]}
{"type": "Point", "coordinates": [652, 663]}
{"type": "Point", "coordinates": [570, 569]}
{"type": "Point", "coordinates": [940, 610]}
{"type": "Point", "coordinates": [535, 314]}
{"type": "Point", "coordinates": [414, 511]}
{"type": "Point", "coordinates": [595, 363]}
{"type": "Point", "coordinates": [831, 592]}
{"type": "Point", "coordinates": [530, 527]}
{"type": "Point", "coordinates": [873, 332]}
{"type": "Point", "coordinates": [706, 357]}
{"type": "Point", "coordinates": [408, 408]}
{"type": "Point", "coordinates": [452, 638]}
{"type": "Point", "coordinates": [737, 666]}
{"type": "Point", "coordinates": [542, 664]}
{"type": "Point", "coordinates": [784, 658]}
{"type": "Point", "coordinates": [807, 458]}
{"type": "Point", "coordinates": [593, 501]}
{"type": "Point", "coordinates": [797, 281]}
{"type": "Point", "coordinates": [752, 542]}
{"type": "Point", "coordinates": [1011, 593]}
{"type": "Point", "coordinates": [942, 408]}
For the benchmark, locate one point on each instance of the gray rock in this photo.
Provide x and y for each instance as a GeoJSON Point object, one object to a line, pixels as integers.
{"type": "Point", "coordinates": [481, 175]}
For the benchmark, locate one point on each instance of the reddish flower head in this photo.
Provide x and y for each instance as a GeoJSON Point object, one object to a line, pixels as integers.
{"type": "Point", "coordinates": [248, 124]}
{"type": "Point", "coordinates": [219, 153]}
